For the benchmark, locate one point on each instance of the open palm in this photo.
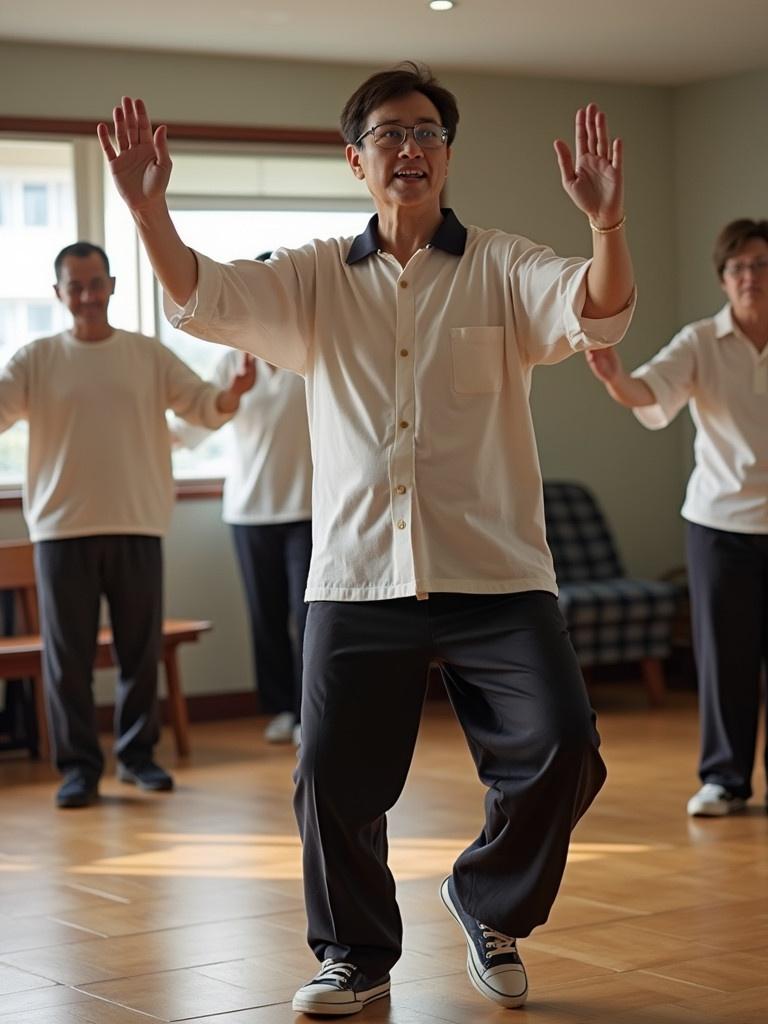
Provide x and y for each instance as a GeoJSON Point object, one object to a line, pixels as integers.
{"type": "Point", "coordinates": [139, 161]}
{"type": "Point", "coordinates": [594, 177]}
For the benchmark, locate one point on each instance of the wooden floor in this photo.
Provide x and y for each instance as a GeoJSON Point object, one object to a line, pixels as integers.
{"type": "Point", "coordinates": [187, 906]}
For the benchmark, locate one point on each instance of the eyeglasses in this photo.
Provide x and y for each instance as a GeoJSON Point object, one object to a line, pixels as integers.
{"type": "Point", "coordinates": [427, 135]}
{"type": "Point", "coordinates": [98, 284]}
{"type": "Point", "coordinates": [740, 267]}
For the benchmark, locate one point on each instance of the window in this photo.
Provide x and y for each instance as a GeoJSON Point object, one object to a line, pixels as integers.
{"type": "Point", "coordinates": [35, 206]}
{"type": "Point", "coordinates": [31, 172]}
{"type": "Point", "coordinates": [232, 205]}
{"type": "Point", "coordinates": [40, 317]}
{"type": "Point", "coordinates": [229, 200]}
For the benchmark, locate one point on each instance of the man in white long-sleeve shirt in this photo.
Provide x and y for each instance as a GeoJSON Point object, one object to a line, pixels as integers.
{"type": "Point", "coordinates": [97, 499]}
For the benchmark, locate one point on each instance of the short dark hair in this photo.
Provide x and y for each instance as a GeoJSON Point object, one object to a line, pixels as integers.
{"type": "Point", "coordinates": [80, 250]}
{"type": "Point", "coordinates": [734, 237]}
{"type": "Point", "coordinates": [386, 85]}
{"type": "Point", "coordinates": [264, 256]}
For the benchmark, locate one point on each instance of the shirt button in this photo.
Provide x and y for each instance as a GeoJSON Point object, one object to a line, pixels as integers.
{"type": "Point", "coordinates": [404, 424]}
{"type": "Point", "coordinates": [400, 489]}
{"type": "Point", "coordinates": [403, 284]}
{"type": "Point", "coordinates": [401, 524]}
{"type": "Point", "coordinates": [403, 352]}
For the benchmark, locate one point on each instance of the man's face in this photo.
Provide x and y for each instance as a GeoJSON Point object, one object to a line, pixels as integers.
{"type": "Point", "coordinates": [745, 278]}
{"type": "Point", "coordinates": [85, 288]}
{"type": "Point", "coordinates": [408, 175]}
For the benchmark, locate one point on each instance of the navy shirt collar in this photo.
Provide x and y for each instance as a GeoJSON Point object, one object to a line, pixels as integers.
{"type": "Point", "coordinates": [451, 237]}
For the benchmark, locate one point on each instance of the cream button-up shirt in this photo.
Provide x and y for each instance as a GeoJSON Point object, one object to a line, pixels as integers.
{"type": "Point", "coordinates": [426, 476]}
{"type": "Point", "coordinates": [711, 366]}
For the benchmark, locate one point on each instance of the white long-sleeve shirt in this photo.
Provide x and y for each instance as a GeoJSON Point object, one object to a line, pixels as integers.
{"type": "Point", "coordinates": [98, 458]}
{"type": "Point", "coordinates": [717, 371]}
{"type": "Point", "coordinates": [269, 471]}
{"type": "Point", "coordinates": [426, 476]}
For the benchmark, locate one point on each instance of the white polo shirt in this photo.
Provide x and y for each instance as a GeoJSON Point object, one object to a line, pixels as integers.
{"type": "Point", "coordinates": [269, 473]}
{"type": "Point", "coordinates": [718, 372]}
{"type": "Point", "coordinates": [426, 476]}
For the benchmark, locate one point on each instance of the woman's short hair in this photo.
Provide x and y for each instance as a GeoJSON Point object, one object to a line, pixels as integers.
{"type": "Point", "coordinates": [734, 237]}
{"type": "Point", "coordinates": [386, 85]}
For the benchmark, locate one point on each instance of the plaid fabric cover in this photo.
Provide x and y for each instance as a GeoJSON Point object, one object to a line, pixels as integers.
{"type": "Point", "coordinates": [610, 618]}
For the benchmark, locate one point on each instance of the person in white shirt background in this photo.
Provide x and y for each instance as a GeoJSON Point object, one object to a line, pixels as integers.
{"type": "Point", "coordinates": [719, 368]}
{"type": "Point", "coordinates": [267, 501]}
{"type": "Point", "coordinates": [417, 341]}
{"type": "Point", "coordinates": [98, 496]}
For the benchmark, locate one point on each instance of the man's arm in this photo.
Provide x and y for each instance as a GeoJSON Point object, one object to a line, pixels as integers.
{"type": "Point", "coordinates": [141, 168]}
{"type": "Point", "coordinates": [228, 400]}
{"type": "Point", "coordinates": [594, 180]}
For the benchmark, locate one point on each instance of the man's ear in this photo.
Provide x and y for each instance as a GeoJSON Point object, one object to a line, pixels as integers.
{"type": "Point", "coordinates": [56, 292]}
{"type": "Point", "coordinates": [352, 154]}
{"type": "Point", "coordinates": [114, 282]}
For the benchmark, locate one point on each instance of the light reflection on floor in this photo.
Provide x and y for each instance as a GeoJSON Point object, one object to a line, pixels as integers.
{"type": "Point", "coordinates": [279, 856]}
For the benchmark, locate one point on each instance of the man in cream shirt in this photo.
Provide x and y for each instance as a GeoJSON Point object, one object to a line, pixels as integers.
{"type": "Point", "coordinates": [417, 341]}
{"type": "Point", "coordinates": [98, 497]}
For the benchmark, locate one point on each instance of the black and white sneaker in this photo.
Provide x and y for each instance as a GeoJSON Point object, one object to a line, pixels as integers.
{"type": "Point", "coordinates": [493, 964]}
{"type": "Point", "coordinates": [339, 988]}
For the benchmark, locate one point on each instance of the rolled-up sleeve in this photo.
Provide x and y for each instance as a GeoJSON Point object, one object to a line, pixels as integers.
{"type": "Point", "coordinates": [671, 376]}
{"type": "Point", "coordinates": [257, 306]}
{"type": "Point", "coordinates": [549, 293]}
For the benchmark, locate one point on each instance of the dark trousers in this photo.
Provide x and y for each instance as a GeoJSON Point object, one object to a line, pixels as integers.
{"type": "Point", "coordinates": [71, 577]}
{"type": "Point", "coordinates": [274, 563]}
{"type": "Point", "coordinates": [728, 575]}
{"type": "Point", "coordinates": [517, 691]}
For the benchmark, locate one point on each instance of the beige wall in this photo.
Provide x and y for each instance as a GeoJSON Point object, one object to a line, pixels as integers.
{"type": "Point", "coordinates": [503, 174]}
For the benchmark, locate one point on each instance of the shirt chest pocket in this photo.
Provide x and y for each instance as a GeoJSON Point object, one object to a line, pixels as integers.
{"type": "Point", "coordinates": [478, 359]}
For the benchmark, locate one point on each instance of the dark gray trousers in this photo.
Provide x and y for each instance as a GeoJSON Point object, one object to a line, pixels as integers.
{"type": "Point", "coordinates": [517, 691]}
{"type": "Point", "coordinates": [728, 577]}
{"type": "Point", "coordinates": [72, 575]}
{"type": "Point", "coordinates": [274, 563]}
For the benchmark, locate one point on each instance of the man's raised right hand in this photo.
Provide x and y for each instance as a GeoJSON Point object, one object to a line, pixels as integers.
{"type": "Point", "coordinates": [139, 161]}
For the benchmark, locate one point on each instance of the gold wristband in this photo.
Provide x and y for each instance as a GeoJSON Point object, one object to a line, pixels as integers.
{"type": "Point", "coordinates": [606, 231]}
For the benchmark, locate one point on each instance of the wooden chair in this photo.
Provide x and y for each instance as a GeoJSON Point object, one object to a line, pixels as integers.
{"type": "Point", "coordinates": [21, 654]}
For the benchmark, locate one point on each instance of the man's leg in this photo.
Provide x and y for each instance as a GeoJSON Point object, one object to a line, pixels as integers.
{"type": "Point", "coordinates": [69, 592]}
{"type": "Point", "coordinates": [365, 674]}
{"type": "Point", "coordinates": [133, 584]}
{"type": "Point", "coordinates": [298, 553]}
{"type": "Point", "coordinates": [260, 554]}
{"type": "Point", "coordinates": [727, 574]}
{"type": "Point", "coordinates": [518, 692]}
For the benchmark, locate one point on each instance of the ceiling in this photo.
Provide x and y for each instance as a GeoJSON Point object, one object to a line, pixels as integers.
{"type": "Point", "coordinates": [664, 42]}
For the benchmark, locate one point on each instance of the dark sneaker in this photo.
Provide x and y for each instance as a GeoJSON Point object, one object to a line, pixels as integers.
{"type": "Point", "coordinates": [77, 791]}
{"type": "Point", "coordinates": [146, 775]}
{"type": "Point", "coordinates": [339, 988]}
{"type": "Point", "coordinates": [493, 964]}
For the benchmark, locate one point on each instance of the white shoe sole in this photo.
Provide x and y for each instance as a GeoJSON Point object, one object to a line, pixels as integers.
{"type": "Point", "coordinates": [306, 1004]}
{"type": "Point", "coordinates": [482, 986]}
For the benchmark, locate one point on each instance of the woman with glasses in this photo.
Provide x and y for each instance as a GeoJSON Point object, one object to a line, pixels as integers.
{"type": "Point", "coordinates": [719, 368]}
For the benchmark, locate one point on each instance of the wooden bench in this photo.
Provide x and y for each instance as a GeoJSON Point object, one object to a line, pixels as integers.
{"type": "Point", "coordinates": [21, 654]}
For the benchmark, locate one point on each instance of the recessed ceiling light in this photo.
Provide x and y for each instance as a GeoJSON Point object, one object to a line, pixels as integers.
{"type": "Point", "coordinates": [441, 5]}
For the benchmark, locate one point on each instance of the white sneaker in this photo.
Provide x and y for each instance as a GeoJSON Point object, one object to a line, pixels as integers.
{"type": "Point", "coordinates": [280, 729]}
{"type": "Point", "coordinates": [339, 989]}
{"type": "Point", "coordinates": [714, 801]}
